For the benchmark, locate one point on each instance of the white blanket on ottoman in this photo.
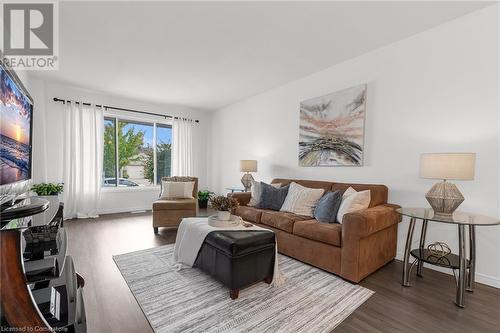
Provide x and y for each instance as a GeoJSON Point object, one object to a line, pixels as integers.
{"type": "Point", "coordinates": [192, 233]}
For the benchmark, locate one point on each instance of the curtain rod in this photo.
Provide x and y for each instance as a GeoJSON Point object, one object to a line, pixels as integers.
{"type": "Point", "coordinates": [128, 110]}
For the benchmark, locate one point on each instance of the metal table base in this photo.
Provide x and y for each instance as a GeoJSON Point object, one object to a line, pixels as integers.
{"type": "Point", "coordinates": [466, 269]}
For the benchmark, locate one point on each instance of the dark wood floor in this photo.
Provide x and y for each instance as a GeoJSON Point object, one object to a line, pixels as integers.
{"type": "Point", "coordinates": [425, 307]}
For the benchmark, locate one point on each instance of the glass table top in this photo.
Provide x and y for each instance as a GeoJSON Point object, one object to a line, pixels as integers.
{"type": "Point", "coordinates": [38, 219]}
{"type": "Point", "coordinates": [236, 189]}
{"type": "Point", "coordinates": [456, 218]}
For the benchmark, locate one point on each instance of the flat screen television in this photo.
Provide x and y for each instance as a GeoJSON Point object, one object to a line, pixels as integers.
{"type": "Point", "coordinates": [16, 122]}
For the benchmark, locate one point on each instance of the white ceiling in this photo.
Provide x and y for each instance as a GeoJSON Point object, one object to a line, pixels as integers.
{"type": "Point", "coordinates": [211, 54]}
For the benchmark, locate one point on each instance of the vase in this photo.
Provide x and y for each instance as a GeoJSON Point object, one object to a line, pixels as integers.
{"type": "Point", "coordinates": [53, 200]}
{"type": "Point", "coordinates": [202, 203]}
{"type": "Point", "coordinates": [223, 215]}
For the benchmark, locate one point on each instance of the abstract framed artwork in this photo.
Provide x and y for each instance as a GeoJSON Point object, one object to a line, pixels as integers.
{"type": "Point", "coordinates": [332, 129]}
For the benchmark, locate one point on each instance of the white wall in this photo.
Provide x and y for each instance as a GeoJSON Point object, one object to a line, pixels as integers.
{"type": "Point", "coordinates": [433, 92]}
{"type": "Point", "coordinates": [48, 138]}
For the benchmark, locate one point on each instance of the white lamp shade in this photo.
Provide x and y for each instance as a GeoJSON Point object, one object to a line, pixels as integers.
{"type": "Point", "coordinates": [456, 166]}
{"type": "Point", "coordinates": [248, 166]}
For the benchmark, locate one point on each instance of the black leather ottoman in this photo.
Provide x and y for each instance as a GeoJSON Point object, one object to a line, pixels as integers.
{"type": "Point", "coordinates": [238, 258]}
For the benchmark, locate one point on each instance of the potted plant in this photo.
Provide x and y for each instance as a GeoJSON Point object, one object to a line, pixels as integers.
{"type": "Point", "coordinates": [203, 197]}
{"type": "Point", "coordinates": [49, 191]}
{"type": "Point", "coordinates": [46, 189]}
{"type": "Point", "coordinates": [223, 205]}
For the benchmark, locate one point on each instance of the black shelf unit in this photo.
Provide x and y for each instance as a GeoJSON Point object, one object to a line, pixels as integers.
{"type": "Point", "coordinates": [449, 260]}
{"type": "Point", "coordinates": [49, 273]}
{"type": "Point", "coordinates": [60, 300]}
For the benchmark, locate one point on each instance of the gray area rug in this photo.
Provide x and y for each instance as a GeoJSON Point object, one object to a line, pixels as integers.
{"type": "Point", "coordinates": [191, 301]}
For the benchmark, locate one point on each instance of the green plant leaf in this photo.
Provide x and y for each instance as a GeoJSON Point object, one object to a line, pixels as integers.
{"type": "Point", "coordinates": [47, 188]}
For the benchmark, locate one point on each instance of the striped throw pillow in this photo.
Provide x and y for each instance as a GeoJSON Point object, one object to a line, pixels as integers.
{"type": "Point", "coordinates": [301, 200]}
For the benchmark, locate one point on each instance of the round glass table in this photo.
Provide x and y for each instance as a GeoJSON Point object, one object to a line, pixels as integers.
{"type": "Point", "coordinates": [236, 189]}
{"type": "Point", "coordinates": [466, 266]}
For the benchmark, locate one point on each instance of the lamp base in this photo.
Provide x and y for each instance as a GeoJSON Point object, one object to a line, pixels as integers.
{"type": "Point", "coordinates": [444, 198]}
{"type": "Point", "coordinates": [246, 180]}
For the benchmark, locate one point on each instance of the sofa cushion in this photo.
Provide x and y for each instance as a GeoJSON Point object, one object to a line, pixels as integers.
{"type": "Point", "coordinates": [272, 197]}
{"type": "Point", "coordinates": [281, 220]}
{"type": "Point", "coordinates": [176, 204]}
{"type": "Point", "coordinates": [256, 191]}
{"type": "Point", "coordinates": [242, 197]}
{"type": "Point", "coordinates": [378, 193]}
{"type": "Point", "coordinates": [330, 233]}
{"type": "Point", "coordinates": [250, 214]}
{"type": "Point", "coordinates": [328, 206]}
{"type": "Point", "coordinates": [306, 183]}
{"type": "Point", "coordinates": [353, 201]}
{"type": "Point", "coordinates": [301, 200]}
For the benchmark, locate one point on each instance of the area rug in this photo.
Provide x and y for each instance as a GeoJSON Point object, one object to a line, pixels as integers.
{"type": "Point", "coordinates": [189, 300]}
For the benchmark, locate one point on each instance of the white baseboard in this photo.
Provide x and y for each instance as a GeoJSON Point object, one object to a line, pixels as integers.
{"type": "Point", "coordinates": [489, 280]}
{"type": "Point", "coordinates": [123, 210]}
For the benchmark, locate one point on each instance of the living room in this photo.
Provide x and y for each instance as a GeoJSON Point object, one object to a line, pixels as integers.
{"type": "Point", "coordinates": [349, 154]}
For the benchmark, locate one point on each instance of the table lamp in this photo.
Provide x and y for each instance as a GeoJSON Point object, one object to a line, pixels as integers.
{"type": "Point", "coordinates": [247, 166]}
{"type": "Point", "coordinates": [445, 197]}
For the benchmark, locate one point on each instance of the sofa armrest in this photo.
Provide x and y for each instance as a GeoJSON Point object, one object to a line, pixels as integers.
{"type": "Point", "coordinates": [242, 197]}
{"type": "Point", "coordinates": [368, 221]}
{"type": "Point", "coordinates": [369, 240]}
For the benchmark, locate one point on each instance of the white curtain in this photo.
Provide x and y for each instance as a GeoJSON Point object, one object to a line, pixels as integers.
{"type": "Point", "coordinates": [83, 154]}
{"type": "Point", "coordinates": [182, 147]}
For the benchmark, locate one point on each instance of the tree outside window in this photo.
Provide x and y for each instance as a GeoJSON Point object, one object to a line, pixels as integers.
{"type": "Point", "coordinates": [129, 153]}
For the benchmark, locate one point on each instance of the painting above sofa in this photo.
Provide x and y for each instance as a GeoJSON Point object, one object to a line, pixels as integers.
{"type": "Point", "coordinates": [332, 128]}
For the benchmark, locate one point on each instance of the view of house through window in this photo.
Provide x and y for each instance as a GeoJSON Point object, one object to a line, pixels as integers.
{"type": "Point", "coordinates": [130, 148]}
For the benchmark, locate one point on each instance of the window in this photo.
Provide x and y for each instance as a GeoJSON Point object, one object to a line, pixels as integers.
{"type": "Point", "coordinates": [135, 149]}
{"type": "Point", "coordinates": [109, 162]}
{"type": "Point", "coordinates": [163, 151]}
{"type": "Point", "coordinates": [135, 153]}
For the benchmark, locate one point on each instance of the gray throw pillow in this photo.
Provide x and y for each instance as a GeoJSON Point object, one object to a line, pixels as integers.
{"type": "Point", "coordinates": [328, 206]}
{"type": "Point", "coordinates": [272, 197]}
{"type": "Point", "coordinates": [256, 192]}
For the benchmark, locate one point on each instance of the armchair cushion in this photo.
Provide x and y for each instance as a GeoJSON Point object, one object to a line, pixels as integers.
{"type": "Point", "coordinates": [176, 190]}
{"type": "Point", "coordinates": [183, 179]}
{"type": "Point", "coordinates": [175, 204]}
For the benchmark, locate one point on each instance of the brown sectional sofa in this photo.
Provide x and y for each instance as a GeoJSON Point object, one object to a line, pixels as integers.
{"type": "Point", "coordinates": [364, 242]}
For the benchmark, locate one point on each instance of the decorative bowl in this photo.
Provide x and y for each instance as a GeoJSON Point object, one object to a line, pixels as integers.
{"type": "Point", "coordinates": [214, 221]}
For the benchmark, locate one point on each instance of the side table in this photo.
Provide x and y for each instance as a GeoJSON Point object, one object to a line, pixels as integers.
{"type": "Point", "coordinates": [236, 189]}
{"type": "Point", "coordinates": [466, 267]}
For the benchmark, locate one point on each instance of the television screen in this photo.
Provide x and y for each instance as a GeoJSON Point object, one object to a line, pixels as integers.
{"type": "Point", "coordinates": [15, 131]}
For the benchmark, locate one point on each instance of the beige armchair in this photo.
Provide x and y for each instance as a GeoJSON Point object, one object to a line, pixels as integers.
{"type": "Point", "coordinates": [170, 212]}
